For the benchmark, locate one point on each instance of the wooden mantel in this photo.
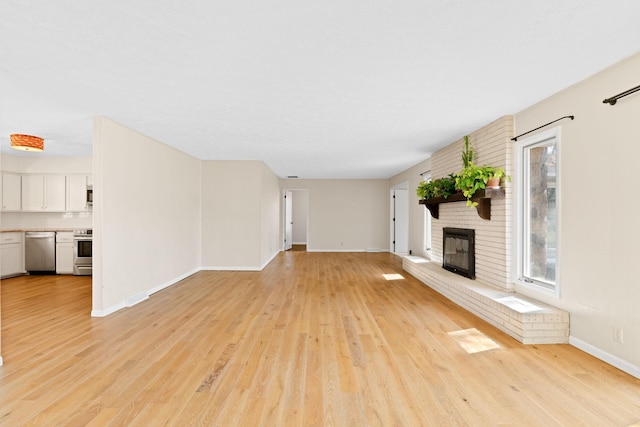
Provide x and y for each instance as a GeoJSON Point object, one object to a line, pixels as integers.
{"type": "Point", "coordinates": [483, 197]}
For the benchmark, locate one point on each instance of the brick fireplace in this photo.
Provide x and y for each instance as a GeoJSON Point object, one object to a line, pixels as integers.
{"type": "Point", "coordinates": [493, 146]}
{"type": "Point", "coordinates": [491, 296]}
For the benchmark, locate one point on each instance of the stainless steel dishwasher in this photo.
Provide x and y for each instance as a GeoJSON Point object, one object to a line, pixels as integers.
{"type": "Point", "coordinates": [40, 251]}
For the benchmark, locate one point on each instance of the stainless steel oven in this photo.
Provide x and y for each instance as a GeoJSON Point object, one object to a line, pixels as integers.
{"type": "Point", "coordinates": [83, 252]}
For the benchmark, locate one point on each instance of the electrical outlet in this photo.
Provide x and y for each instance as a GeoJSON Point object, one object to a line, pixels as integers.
{"type": "Point", "coordinates": [618, 335]}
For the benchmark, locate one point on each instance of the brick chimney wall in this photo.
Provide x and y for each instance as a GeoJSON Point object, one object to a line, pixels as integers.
{"type": "Point", "coordinates": [492, 146]}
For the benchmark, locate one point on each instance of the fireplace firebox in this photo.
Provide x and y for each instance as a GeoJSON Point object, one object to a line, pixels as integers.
{"type": "Point", "coordinates": [458, 251]}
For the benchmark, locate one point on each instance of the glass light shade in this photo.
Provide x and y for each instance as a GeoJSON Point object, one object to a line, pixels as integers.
{"type": "Point", "coordinates": [26, 142]}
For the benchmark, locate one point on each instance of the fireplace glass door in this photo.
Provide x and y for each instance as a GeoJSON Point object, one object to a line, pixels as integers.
{"type": "Point", "coordinates": [459, 251]}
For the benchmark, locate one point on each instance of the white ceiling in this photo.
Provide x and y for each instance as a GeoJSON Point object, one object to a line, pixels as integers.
{"type": "Point", "coordinates": [318, 89]}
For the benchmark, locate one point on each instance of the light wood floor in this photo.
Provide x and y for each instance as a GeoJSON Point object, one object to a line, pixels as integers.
{"type": "Point", "coordinates": [314, 339]}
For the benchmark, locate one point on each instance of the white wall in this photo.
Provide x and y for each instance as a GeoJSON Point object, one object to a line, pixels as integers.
{"type": "Point", "coordinates": [346, 215]}
{"type": "Point", "coordinates": [42, 164]}
{"type": "Point", "coordinates": [240, 214]}
{"type": "Point", "coordinates": [146, 216]}
{"type": "Point", "coordinates": [416, 211]}
{"type": "Point", "coordinates": [270, 243]}
{"type": "Point", "coordinates": [599, 233]}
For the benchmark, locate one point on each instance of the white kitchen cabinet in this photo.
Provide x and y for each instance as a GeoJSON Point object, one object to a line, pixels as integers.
{"type": "Point", "coordinates": [64, 252]}
{"type": "Point", "coordinates": [11, 254]}
{"type": "Point", "coordinates": [43, 193]}
{"type": "Point", "coordinates": [11, 191]}
{"type": "Point", "coordinates": [77, 193]}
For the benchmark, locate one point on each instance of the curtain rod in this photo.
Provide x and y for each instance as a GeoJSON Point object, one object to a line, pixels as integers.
{"type": "Point", "coordinates": [614, 98]}
{"type": "Point", "coordinates": [540, 127]}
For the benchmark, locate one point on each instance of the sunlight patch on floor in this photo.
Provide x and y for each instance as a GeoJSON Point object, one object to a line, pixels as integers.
{"type": "Point", "coordinates": [473, 341]}
{"type": "Point", "coordinates": [393, 276]}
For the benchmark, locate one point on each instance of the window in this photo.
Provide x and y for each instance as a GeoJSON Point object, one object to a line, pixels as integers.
{"type": "Point", "coordinates": [537, 199]}
{"type": "Point", "coordinates": [427, 222]}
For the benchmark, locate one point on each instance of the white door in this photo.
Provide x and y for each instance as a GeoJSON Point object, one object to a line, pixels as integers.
{"type": "Point", "coordinates": [288, 220]}
{"type": "Point", "coordinates": [400, 221]}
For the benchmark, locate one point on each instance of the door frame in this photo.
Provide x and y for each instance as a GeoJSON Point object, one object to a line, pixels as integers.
{"type": "Point", "coordinates": [283, 218]}
{"type": "Point", "coordinates": [287, 242]}
{"type": "Point", "coordinates": [392, 224]}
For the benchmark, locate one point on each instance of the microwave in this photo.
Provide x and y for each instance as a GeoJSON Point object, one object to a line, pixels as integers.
{"type": "Point", "coordinates": [89, 195]}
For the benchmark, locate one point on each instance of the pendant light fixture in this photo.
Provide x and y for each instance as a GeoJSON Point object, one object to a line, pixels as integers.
{"type": "Point", "coordinates": [26, 142]}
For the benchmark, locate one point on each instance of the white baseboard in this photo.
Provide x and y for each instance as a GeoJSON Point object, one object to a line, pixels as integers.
{"type": "Point", "coordinates": [137, 299]}
{"type": "Point", "coordinates": [348, 250]}
{"type": "Point", "coordinates": [335, 250]}
{"type": "Point", "coordinates": [141, 296]}
{"type": "Point", "coordinates": [228, 268]}
{"type": "Point", "coordinates": [623, 365]}
{"type": "Point", "coordinates": [172, 282]}
{"type": "Point", "coordinates": [275, 254]}
{"type": "Point", "coordinates": [241, 268]}
{"type": "Point", "coordinates": [107, 311]}
{"type": "Point", "coordinates": [0, 360]}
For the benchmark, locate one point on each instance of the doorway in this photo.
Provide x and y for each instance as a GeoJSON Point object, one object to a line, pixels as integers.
{"type": "Point", "coordinates": [295, 221]}
{"type": "Point", "coordinates": [400, 219]}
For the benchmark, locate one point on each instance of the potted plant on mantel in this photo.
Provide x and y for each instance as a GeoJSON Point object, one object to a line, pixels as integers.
{"type": "Point", "coordinates": [426, 190]}
{"type": "Point", "coordinates": [473, 177]}
{"type": "Point", "coordinates": [441, 187]}
{"type": "Point", "coordinates": [468, 181]}
{"type": "Point", "coordinates": [446, 186]}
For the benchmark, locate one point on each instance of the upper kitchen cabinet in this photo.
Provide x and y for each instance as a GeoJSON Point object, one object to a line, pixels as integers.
{"type": "Point", "coordinates": [11, 191]}
{"type": "Point", "coordinates": [43, 193]}
{"type": "Point", "coordinates": [77, 193]}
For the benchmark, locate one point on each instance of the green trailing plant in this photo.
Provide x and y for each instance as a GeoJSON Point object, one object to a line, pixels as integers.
{"type": "Point", "coordinates": [441, 187]}
{"type": "Point", "coordinates": [471, 179]}
{"type": "Point", "coordinates": [467, 153]}
{"type": "Point", "coordinates": [426, 190]}
{"type": "Point", "coordinates": [444, 187]}
{"type": "Point", "coordinates": [499, 174]}
{"type": "Point", "coordinates": [468, 181]}
{"type": "Point", "coordinates": [474, 178]}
